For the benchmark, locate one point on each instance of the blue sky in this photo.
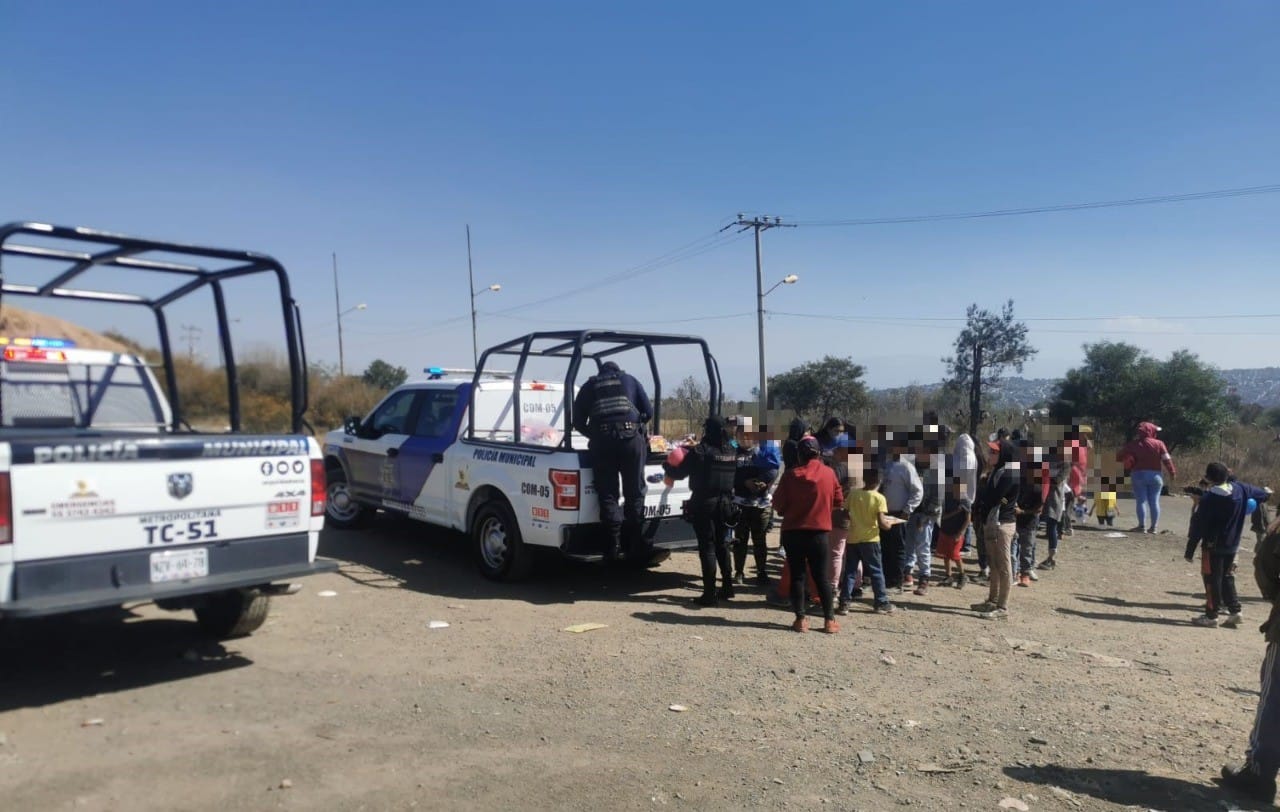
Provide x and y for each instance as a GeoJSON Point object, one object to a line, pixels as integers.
{"type": "Point", "coordinates": [579, 140]}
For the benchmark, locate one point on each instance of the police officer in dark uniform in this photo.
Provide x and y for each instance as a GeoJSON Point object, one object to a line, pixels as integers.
{"type": "Point", "coordinates": [611, 409]}
{"type": "Point", "coordinates": [710, 467]}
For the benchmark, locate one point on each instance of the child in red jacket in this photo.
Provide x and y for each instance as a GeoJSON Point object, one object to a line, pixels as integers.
{"type": "Point", "coordinates": [805, 498]}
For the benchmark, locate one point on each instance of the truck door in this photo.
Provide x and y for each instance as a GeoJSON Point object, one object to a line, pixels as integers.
{"type": "Point", "coordinates": [371, 455]}
{"type": "Point", "coordinates": [424, 479]}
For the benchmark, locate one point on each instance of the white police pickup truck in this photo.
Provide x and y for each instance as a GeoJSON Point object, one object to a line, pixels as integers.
{"type": "Point", "coordinates": [107, 496]}
{"type": "Point", "coordinates": [495, 455]}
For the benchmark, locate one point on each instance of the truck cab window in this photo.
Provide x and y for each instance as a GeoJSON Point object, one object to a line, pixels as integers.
{"type": "Point", "coordinates": [392, 417]}
{"type": "Point", "coordinates": [435, 416]}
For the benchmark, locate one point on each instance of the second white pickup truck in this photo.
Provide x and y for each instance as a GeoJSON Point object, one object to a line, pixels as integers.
{"type": "Point", "coordinates": [495, 456]}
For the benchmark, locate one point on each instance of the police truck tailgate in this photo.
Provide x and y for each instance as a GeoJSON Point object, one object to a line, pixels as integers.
{"type": "Point", "coordinates": [129, 512]}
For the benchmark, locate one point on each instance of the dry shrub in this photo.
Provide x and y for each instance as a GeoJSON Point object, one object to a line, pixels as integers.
{"type": "Point", "coordinates": [202, 391]}
{"type": "Point", "coordinates": [335, 399]}
{"type": "Point", "coordinates": [1251, 452]}
{"type": "Point", "coordinates": [262, 413]}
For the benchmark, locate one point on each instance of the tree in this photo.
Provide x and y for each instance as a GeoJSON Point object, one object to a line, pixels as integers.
{"type": "Point", "coordinates": [832, 386]}
{"type": "Point", "coordinates": [1119, 385]}
{"type": "Point", "coordinates": [1246, 413]}
{"type": "Point", "coordinates": [988, 346]}
{"type": "Point", "coordinates": [689, 403]}
{"type": "Point", "coordinates": [383, 376]}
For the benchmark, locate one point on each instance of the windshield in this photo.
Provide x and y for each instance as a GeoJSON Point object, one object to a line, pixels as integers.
{"type": "Point", "coordinates": [79, 396]}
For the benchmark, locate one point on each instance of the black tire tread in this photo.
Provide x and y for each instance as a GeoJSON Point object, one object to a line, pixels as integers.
{"type": "Point", "coordinates": [235, 613]}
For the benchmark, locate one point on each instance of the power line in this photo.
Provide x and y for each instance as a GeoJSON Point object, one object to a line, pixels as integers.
{"type": "Point", "coordinates": [718, 317]}
{"type": "Point", "coordinates": [686, 252]}
{"type": "Point", "coordinates": [889, 321]}
{"type": "Point", "coordinates": [961, 319]}
{"type": "Point", "coordinates": [694, 248]}
{"type": "Point", "coordinates": [1243, 191]}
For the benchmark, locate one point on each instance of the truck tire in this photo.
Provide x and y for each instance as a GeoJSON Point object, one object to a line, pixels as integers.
{"type": "Point", "coordinates": [341, 510]}
{"type": "Point", "coordinates": [500, 552]}
{"type": "Point", "coordinates": [234, 613]}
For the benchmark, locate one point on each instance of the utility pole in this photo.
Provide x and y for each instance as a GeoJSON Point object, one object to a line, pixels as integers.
{"type": "Point", "coordinates": [471, 282]}
{"type": "Point", "coordinates": [471, 285]}
{"type": "Point", "coordinates": [191, 334]}
{"type": "Point", "coordinates": [337, 308]}
{"type": "Point", "coordinates": [759, 224]}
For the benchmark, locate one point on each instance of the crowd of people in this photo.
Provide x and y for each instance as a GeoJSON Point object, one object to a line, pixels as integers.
{"type": "Point", "coordinates": [880, 511]}
{"type": "Point", "coordinates": [871, 514]}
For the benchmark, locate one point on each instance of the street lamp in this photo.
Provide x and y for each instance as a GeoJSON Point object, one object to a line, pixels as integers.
{"type": "Point", "coordinates": [789, 279]}
{"type": "Point", "coordinates": [475, 347]}
{"type": "Point", "coordinates": [471, 283]}
{"type": "Point", "coordinates": [342, 370]}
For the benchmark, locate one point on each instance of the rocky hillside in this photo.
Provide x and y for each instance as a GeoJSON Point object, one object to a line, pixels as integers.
{"type": "Point", "coordinates": [18, 323]}
{"type": "Point", "coordinates": [1261, 386]}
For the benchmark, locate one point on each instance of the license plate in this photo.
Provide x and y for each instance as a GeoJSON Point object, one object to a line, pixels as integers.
{"type": "Point", "coordinates": [179, 565]}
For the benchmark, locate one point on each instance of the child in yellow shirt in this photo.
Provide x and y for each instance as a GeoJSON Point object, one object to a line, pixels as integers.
{"type": "Point", "coordinates": [1104, 507]}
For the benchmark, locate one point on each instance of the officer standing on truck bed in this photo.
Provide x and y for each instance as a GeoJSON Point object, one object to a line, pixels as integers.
{"type": "Point", "coordinates": [710, 467]}
{"type": "Point", "coordinates": [611, 409]}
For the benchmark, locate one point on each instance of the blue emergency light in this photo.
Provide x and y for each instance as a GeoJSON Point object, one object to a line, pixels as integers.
{"type": "Point", "coordinates": [38, 342]}
{"type": "Point", "coordinates": [434, 373]}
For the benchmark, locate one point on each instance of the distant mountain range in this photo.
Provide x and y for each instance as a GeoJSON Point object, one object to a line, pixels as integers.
{"type": "Point", "coordinates": [1261, 386]}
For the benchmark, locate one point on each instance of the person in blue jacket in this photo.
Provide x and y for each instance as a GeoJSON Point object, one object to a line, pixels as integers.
{"type": "Point", "coordinates": [759, 460]}
{"type": "Point", "coordinates": [1217, 524]}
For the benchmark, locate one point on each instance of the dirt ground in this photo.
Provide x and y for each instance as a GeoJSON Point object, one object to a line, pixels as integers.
{"type": "Point", "coordinates": [1097, 693]}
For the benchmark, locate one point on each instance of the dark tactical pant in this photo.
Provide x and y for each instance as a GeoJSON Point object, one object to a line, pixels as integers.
{"type": "Point", "coordinates": [613, 458]}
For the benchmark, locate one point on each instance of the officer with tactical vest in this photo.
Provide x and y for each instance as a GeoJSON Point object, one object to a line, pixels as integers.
{"type": "Point", "coordinates": [710, 467]}
{"type": "Point", "coordinates": [611, 409]}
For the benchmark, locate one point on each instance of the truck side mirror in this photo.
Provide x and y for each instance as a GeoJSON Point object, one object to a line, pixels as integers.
{"type": "Point", "coordinates": [351, 426]}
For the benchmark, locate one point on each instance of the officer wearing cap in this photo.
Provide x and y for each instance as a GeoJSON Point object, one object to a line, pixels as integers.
{"type": "Point", "coordinates": [611, 409]}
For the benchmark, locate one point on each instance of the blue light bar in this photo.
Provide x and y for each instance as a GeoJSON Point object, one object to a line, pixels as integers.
{"type": "Point", "coordinates": [39, 342]}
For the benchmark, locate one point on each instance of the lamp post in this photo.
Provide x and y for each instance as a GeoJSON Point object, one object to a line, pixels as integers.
{"type": "Point", "coordinates": [337, 308]}
{"type": "Point", "coordinates": [342, 369]}
{"type": "Point", "coordinates": [789, 279]}
{"type": "Point", "coordinates": [475, 347]}
{"type": "Point", "coordinates": [471, 283]}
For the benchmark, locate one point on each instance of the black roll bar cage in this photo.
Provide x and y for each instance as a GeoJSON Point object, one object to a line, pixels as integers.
{"type": "Point", "coordinates": [105, 249]}
{"type": "Point", "coordinates": [575, 345]}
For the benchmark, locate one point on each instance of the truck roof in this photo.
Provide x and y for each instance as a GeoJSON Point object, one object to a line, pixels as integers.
{"type": "Point", "coordinates": [487, 383]}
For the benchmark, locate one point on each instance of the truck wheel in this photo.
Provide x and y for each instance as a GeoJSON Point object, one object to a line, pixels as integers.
{"type": "Point", "coordinates": [234, 613]}
{"type": "Point", "coordinates": [340, 507]}
{"type": "Point", "coordinates": [500, 552]}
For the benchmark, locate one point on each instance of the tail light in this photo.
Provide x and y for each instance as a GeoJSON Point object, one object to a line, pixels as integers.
{"type": "Point", "coordinates": [31, 354]}
{"type": "Point", "coordinates": [6, 510]}
{"type": "Point", "coordinates": [319, 487]}
{"type": "Point", "coordinates": [564, 489]}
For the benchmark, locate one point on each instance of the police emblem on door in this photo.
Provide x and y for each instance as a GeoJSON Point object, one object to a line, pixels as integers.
{"type": "Point", "coordinates": [180, 485]}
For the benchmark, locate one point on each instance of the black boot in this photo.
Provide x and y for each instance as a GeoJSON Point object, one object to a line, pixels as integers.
{"type": "Point", "coordinates": [1249, 782]}
{"type": "Point", "coordinates": [707, 598]}
{"type": "Point", "coordinates": [726, 592]}
{"type": "Point", "coordinates": [613, 545]}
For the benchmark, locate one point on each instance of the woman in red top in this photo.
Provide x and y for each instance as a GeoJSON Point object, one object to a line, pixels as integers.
{"type": "Point", "coordinates": [806, 497]}
{"type": "Point", "coordinates": [1144, 459]}
{"type": "Point", "coordinates": [1076, 451]}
